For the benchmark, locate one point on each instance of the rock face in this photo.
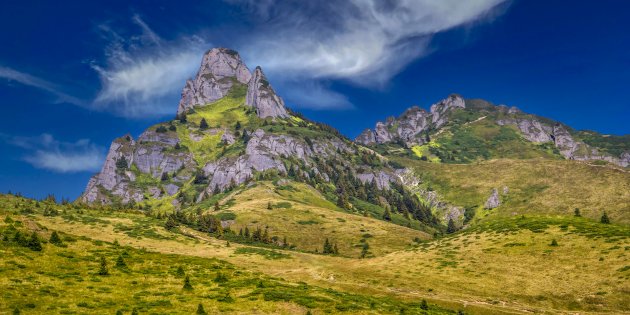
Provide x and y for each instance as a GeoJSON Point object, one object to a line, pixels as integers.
{"type": "Point", "coordinates": [263, 98]}
{"type": "Point", "coordinates": [569, 147]}
{"type": "Point", "coordinates": [220, 69]}
{"type": "Point", "coordinates": [127, 160]}
{"type": "Point", "coordinates": [493, 201]}
{"type": "Point", "coordinates": [412, 126]}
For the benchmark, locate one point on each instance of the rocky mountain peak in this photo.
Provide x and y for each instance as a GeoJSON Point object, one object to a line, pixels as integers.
{"type": "Point", "coordinates": [263, 98]}
{"type": "Point", "coordinates": [411, 126]}
{"type": "Point", "coordinates": [220, 69]}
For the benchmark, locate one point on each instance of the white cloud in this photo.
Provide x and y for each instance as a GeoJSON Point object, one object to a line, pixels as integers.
{"type": "Point", "coordinates": [30, 80]}
{"type": "Point", "coordinates": [144, 78]}
{"type": "Point", "coordinates": [46, 152]}
{"type": "Point", "coordinates": [364, 41]}
{"type": "Point", "coordinates": [314, 95]}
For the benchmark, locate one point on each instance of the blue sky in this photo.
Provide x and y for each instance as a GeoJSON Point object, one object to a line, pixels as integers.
{"type": "Point", "coordinates": [75, 75]}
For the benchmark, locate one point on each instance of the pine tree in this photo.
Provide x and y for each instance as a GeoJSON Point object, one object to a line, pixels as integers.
{"type": "Point", "coordinates": [335, 249]}
{"type": "Point", "coordinates": [200, 310]}
{"type": "Point", "coordinates": [187, 285]}
{"type": "Point", "coordinates": [203, 125]}
{"type": "Point", "coordinates": [576, 212]}
{"type": "Point", "coordinates": [387, 215]}
{"type": "Point", "coordinates": [365, 250]}
{"type": "Point", "coordinates": [165, 176]}
{"type": "Point", "coordinates": [180, 271]}
{"type": "Point", "coordinates": [269, 206]}
{"type": "Point", "coordinates": [328, 247]}
{"type": "Point", "coordinates": [16, 311]}
{"type": "Point", "coordinates": [451, 227]}
{"type": "Point", "coordinates": [216, 206]}
{"type": "Point", "coordinates": [54, 239]}
{"type": "Point", "coordinates": [134, 312]}
{"type": "Point", "coordinates": [170, 223]}
{"type": "Point", "coordinates": [605, 218]}
{"type": "Point", "coordinates": [119, 312]}
{"type": "Point", "coordinates": [554, 242]}
{"type": "Point", "coordinates": [284, 242]}
{"type": "Point", "coordinates": [247, 235]}
{"type": "Point", "coordinates": [120, 262]}
{"type": "Point", "coordinates": [121, 163]}
{"type": "Point", "coordinates": [34, 242]}
{"type": "Point", "coordinates": [103, 271]}
{"type": "Point", "coordinates": [424, 305]}
{"type": "Point", "coordinates": [182, 118]}
{"type": "Point", "coordinates": [240, 232]}
{"type": "Point", "coordinates": [238, 125]}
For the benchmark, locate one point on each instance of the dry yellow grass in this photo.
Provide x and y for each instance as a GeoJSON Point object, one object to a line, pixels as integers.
{"type": "Point", "coordinates": [535, 186]}
{"type": "Point", "coordinates": [306, 219]}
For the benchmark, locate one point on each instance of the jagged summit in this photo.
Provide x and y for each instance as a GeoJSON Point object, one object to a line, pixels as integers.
{"type": "Point", "coordinates": [221, 69]}
{"type": "Point", "coordinates": [261, 96]}
{"type": "Point", "coordinates": [411, 127]}
{"type": "Point", "coordinates": [476, 128]}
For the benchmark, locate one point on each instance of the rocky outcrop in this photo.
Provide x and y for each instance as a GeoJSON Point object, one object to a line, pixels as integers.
{"type": "Point", "coordinates": [220, 69]}
{"type": "Point", "coordinates": [439, 110]}
{"type": "Point", "coordinates": [112, 178]}
{"type": "Point", "coordinates": [569, 147]}
{"type": "Point", "coordinates": [412, 126]}
{"type": "Point", "coordinates": [263, 98]}
{"type": "Point", "coordinates": [493, 201]}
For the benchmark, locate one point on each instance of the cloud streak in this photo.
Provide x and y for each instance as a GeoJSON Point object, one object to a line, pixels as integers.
{"type": "Point", "coordinates": [363, 41]}
{"type": "Point", "coordinates": [143, 76]}
{"type": "Point", "coordinates": [30, 80]}
{"type": "Point", "coordinates": [45, 152]}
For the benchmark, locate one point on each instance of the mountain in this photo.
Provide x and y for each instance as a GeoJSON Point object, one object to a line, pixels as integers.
{"type": "Point", "coordinates": [230, 127]}
{"type": "Point", "coordinates": [239, 205]}
{"type": "Point", "coordinates": [459, 130]}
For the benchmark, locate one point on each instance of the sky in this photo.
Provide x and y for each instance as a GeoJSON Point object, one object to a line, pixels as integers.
{"type": "Point", "coordinates": [74, 75]}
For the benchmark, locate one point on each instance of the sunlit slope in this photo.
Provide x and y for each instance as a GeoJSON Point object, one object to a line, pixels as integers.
{"type": "Point", "coordinates": [540, 186]}
{"type": "Point", "coordinates": [305, 218]}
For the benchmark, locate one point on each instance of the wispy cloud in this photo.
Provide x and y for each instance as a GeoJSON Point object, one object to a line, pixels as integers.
{"type": "Point", "coordinates": [46, 152]}
{"type": "Point", "coordinates": [30, 80]}
{"type": "Point", "coordinates": [364, 41]}
{"type": "Point", "coordinates": [314, 95]}
{"type": "Point", "coordinates": [143, 76]}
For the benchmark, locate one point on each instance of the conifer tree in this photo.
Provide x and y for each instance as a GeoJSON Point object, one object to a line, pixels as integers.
{"type": "Point", "coordinates": [134, 312]}
{"type": "Point", "coordinates": [284, 242]}
{"type": "Point", "coordinates": [187, 285]}
{"type": "Point", "coordinates": [387, 215]}
{"type": "Point", "coordinates": [182, 118]}
{"type": "Point", "coordinates": [451, 227]}
{"type": "Point", "coordinates": [34, 242]}
{"type": "Point", "coordinates": [54, 239]}
{"type": "Point", "coordinates": [120, 262]}
{"type": "Point", "coordinates": [200, 310]}
{"type": "Point", "coordinates": [605, 218]}
{"type": "Point", "coordinates": [240, 232]}
{"type": "Point", "coordinates": [119, 312]}
{"type": "Point", "coordinates": [203, 125]}
{"type": "Point", "coordinates": [576, 212]}
{"type": "Point", "coordinates": [216, 206]}
{"type": "Point", "coordinates": [554, 242]}
{"type": "Point", "coordinates": [365, 249]}
{"type": "Point", "coordinates": [424, 305]}
{"type": "Point", "coordinates": [180, 271]}
{"type": "Point", "coordinates": [269, 206]}
{"type": "Point", "coordinates": [247, 235]}
{"type": "Point", "coordinates": [103, 271]}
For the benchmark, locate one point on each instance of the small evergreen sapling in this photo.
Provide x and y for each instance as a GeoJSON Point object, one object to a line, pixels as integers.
{"type": "Point", "coordinates": [605, 218]}
{"type": "Point", "coordinates": [187, 285]}
{"type": "Point", "coordinates": [200, 310]}
{"type": "Point", "coordinates": [54, 239]}
{"type": "Point", "coordinates": [103, 270]}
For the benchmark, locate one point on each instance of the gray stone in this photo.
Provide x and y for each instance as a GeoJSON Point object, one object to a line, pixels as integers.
{"type": "Point", "coordinates": [493, 201]}
{"type": "Point", "coordinates": [220, 69]}
{"type": "Point", "coordinates": [263, 98]}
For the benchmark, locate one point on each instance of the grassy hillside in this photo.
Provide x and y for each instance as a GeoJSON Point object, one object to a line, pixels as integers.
{"type": "Point", "coordinates": [499, 266]}
{"type": "Point", "coordinates": [535, 186]}
{"type": "Point", "coordinates": [68, 279]}
{"type": "Point", "coordinates": [301, 215]}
